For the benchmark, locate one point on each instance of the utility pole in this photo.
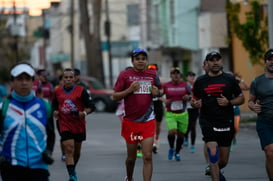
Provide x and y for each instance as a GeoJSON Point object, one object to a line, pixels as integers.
{"type": "Point", "coordinates": [44, 38]}
{"type": "Point", "coordinates": [16, 32]}
{"type": "Point", "coordinates": [270, 22]}
{"type": "Point", "coordinates": [107, 27]}
{"type": "Point", "coordinates": [72, 33]}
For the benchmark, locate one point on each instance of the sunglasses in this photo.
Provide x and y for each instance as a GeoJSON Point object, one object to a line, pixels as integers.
{"type": "Point", "coordinates": [214, 57]}
{"type": "Point", "coordinates": [152, 67]}
{"type": "Point", "coordinates": [175, 68]}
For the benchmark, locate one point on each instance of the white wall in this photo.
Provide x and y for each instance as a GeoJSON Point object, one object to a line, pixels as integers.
{"type": "Point", "coordinates": [212, 30]}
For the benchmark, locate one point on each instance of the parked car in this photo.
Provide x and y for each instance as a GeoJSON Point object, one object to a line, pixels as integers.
{"type": "Point", "coordinates": [101, 96]}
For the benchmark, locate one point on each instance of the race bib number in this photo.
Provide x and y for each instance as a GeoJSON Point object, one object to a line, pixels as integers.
{"type": "Point", "coordinates": [145, 88]}
{"type": "Point", "coordinates": [176, 105]}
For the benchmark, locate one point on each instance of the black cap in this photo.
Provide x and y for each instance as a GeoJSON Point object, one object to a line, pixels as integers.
{"type": "Point", "coordinates": [77, 71]}
{"type": "Point", "coordinates": [268, 54]}
{"type": "Point", "coordinates": [213, 54]}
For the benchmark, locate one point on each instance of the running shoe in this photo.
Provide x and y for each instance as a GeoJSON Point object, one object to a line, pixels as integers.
{"type": "Point", "coordinates": [139, 153]}
{"type": "Point", "coordinates": [222, 177]}
{"type": "Point", "coordinates": [192, 149]}
{"type": "Point", "coordinates": [177, 157]}
{"type": "Point", "coordinates": [63, 157]}
{"type": "Point", "coordinates": [154, 148]}
{"type": "Point", "coordinates": [126, 179]}
{"type": "Point", "coordinates": [185, 144]}
{"type": "Point", "coordinates": [234, 141]}
{"type": "Point", "coordinates": [73, 178]}
{"type": "Point", "coordinates": [207, 170]}
{"type": "Point", "coordinates": [170, 154]}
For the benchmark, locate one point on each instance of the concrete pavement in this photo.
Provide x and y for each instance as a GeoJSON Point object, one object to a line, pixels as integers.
{"type": "Point", "coordinates": [103, 157]}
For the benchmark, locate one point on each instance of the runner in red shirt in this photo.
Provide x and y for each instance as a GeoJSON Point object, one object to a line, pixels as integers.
{"type": "Point", "coordinates": [137, 86]}
{"type": "Point", "coordinates": [71, 105]}
{"type": "Point", "coordinates": [42, 87]}
{"type": "Point", "coordinates": [177, 94]}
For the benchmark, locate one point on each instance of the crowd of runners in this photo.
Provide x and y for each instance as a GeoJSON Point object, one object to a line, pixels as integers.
{"type": "Point", "coordinates": [34, 107]}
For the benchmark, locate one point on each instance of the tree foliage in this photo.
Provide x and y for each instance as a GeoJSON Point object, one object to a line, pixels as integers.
{"type": "Point", "coordinates": [92, 39]}
{"type": "Point", "coordinates": [253, 32]}
{"type": "Point", "coordinates": [8, 49]}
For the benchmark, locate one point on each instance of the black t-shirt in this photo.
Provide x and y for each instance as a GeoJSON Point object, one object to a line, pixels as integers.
{"type": "Point", "coordinates": [208, 89]}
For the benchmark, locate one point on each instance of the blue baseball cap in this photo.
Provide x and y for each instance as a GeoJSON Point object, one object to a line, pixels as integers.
{"type": "Point", "coordinates": [138, 51]}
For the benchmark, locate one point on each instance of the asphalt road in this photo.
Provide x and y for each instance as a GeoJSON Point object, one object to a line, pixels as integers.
{"type": "Point", "coordinates": [103, 156]}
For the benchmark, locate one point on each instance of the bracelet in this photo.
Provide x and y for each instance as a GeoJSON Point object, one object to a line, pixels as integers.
{"type": "Point", "coordinates": [85, 113]}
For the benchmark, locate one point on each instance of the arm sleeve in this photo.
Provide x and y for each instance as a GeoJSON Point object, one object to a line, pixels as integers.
{"type": "Point", "coordinates": [50, 129]}
{"type": "Point", "coordinates": [157, 81]}
{"type": "Point", "coordinates": [237, 90]}
{"type": "Point", "coordinates": [87, 100]}
{"type": "Point", "coordinates": [55, 103]}
{"type": "Point", "coordinates": [195, 89]}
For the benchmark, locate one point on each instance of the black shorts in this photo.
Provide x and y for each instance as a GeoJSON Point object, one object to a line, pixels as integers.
{"type": "Point", "coordinates": [78, 137]}
{"type": "Point", "coordinates": [158, 110]}
{"type": "Point", "coordinates": [264, 127]}
{"type": "Point", "coordinates": [14, 173]}
{"type": "Point", "coordinates": [222, 133]}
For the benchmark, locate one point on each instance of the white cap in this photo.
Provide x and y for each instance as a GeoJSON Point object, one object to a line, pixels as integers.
{"type": "Point", "coordinates": [22, 68]}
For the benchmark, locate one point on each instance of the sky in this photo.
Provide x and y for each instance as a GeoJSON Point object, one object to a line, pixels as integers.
{"type": "Point", "coordinates": [35, 6]}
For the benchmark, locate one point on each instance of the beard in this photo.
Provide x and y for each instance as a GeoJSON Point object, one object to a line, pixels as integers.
{"type": "Point", "coordinates": [269, 70]}
{"type": "Point", "coordinates": [216, 69]}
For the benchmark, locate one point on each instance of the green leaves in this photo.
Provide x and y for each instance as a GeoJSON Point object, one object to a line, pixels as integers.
{"type": "Point", "coordinates": [253, 32]}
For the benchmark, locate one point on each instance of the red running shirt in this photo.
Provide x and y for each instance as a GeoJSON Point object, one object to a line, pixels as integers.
{"type": "Point", "coordinates": [69, 104]}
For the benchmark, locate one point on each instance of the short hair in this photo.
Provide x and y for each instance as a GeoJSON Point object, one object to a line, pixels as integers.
{"type": "Point", "coordinates": [77, 71]}
{"type": "Point", "coordinates": [190, 73]}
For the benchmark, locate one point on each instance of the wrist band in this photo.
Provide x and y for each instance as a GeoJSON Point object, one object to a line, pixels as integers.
{"type": "Point", "coordinates": [85, 113]}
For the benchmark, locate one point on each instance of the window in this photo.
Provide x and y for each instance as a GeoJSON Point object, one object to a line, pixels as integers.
{"type": "Point", "coordinates": [133, 14]}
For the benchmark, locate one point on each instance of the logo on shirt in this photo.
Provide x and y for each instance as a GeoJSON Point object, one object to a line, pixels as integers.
{"type": "Point", "coordinates": [214, 89]}
{"type": "Point", "coordinates": [221, 129]}
{"type": "Point", "coordinates": [68, 107]}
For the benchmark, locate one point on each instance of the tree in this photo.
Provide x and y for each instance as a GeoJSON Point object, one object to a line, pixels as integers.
{"type": "Point", "coordinates": [253, 32]}
{"type": "Point", "coordinates": [92, 39]}
{"type": "Point", "coordinates": [7, 50]}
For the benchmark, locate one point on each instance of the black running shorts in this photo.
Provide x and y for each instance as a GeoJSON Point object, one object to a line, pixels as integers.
{"type": "Point", "coordinates": [222, 133]}
{"type": "Point", "coordinates": [78, 137]}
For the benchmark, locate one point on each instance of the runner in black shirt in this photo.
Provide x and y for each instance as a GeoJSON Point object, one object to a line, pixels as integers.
{"type": "Point", "coordinates": [215, 93]}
